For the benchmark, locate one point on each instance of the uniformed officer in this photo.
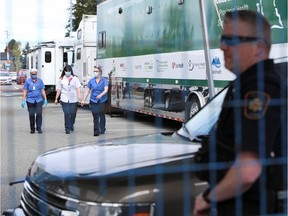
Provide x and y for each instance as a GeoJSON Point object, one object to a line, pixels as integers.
{"type": "Point", "coordinates": [34, 95]}
{"type": "Point", "coordinates": [249, 130]}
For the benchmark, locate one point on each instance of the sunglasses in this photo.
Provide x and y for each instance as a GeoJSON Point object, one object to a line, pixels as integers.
{"type": "Point", "coordinates": [235, 40]}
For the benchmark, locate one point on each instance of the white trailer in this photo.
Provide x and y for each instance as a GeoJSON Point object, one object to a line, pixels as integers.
{"type": "Point", "coordinates": [85, 44]}
{"type": "Point", "coordinates": [49, 58]}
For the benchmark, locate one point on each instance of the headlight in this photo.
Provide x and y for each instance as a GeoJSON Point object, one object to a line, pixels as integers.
{"type": "Point", "coordinates": [33, 200]}
{"type": "Point", "coordinates": [116, 209]}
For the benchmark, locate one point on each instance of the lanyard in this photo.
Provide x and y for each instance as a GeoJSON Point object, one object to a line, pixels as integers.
{"type": "Point", "coordinates": [69, 81]}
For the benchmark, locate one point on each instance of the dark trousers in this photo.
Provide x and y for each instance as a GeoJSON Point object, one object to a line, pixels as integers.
{"type": "Point", "coordinates": [70, 111]}
{"type": "Point", "coordinates": [35, 113]}
{"type": "Point", "coordinates": [99, 119]}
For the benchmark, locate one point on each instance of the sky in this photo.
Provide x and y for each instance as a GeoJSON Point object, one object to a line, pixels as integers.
{"type": "Point", "coordinates": [32, 21]}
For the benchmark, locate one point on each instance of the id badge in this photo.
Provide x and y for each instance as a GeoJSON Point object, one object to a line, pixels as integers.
{"type": "Point", "coordinates": [33, 88]}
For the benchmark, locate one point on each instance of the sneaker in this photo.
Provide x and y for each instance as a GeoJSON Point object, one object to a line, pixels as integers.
{"type": "Point", "coordinates": [32, 131]}
{"type": "Point", "coordinates": [96, 134]}
{"type": "Point", "coordinates": [67, 131]}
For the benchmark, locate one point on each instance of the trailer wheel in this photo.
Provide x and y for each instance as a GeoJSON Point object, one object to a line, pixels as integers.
{"type": "Point", "coordinates": [148, 100]}
{"type": "Point", "coordinates": [167, 103]}
{"type": "Point", "coordinates": [192, 107]}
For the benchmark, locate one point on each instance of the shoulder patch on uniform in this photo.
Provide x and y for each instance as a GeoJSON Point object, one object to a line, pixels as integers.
{"type": "Point", "coordinates": [256, 104]}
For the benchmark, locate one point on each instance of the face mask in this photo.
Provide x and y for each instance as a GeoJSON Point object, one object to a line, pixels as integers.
{"type": "Point", "coordinates": [96, 74]}
{"type": "Point", "coordinates": [68, 73]}
{"type": "Point", "coordinates": [34, 76]}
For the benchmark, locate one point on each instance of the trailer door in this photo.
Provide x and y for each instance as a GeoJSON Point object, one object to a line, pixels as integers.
{"type": "Point", "coordinates": [47, 66]}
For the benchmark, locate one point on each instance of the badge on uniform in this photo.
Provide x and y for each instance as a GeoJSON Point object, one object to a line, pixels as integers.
{"type": "Point", "coordinates": [256, 104]}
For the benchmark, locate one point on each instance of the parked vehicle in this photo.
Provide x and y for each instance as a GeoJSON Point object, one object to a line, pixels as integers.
{"type": "Point", "coordinates": [5, 78]}
{"type": "Point", "coordinates": [105, 178]}
{"type": "Point", "coordinates": [13, 75]}
{"type": "Point", "coordinates": [22, 76]}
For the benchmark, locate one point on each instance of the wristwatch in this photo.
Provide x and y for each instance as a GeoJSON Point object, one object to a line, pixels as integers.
{"type": "Point", "coordinates": [205, 195]}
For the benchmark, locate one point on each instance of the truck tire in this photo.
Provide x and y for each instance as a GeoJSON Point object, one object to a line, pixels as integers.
{"type": "Point", "coordinates": [167, 103]}
{"type": "Point", "coordinates": [148, 99]}
{"type": "Point", "coordinates": [192, 107]}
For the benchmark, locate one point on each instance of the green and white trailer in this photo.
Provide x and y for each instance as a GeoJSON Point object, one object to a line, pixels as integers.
{"type": "Point", "coordinates": [153, 52]}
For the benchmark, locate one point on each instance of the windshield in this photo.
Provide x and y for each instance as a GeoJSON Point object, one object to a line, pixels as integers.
{"type": "Point", "coordinates": [4, 74]}
{"type": "Point", "coordinates": [205, 119]}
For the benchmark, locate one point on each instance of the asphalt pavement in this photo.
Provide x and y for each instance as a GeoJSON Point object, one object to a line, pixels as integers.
{"type": "Point", "coordinates": [19, 148]}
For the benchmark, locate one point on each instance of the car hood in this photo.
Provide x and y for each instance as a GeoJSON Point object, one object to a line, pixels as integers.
{"type": "Point", "coordinates": [113, 156]}
{"type": "Point", "coordinates": [76, 171]}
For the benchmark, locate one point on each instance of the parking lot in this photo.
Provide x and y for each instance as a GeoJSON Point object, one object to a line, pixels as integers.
{"type": "Point", "coordinates": [19, 148]}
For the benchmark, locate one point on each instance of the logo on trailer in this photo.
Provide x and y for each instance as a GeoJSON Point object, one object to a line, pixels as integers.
{"type": "Point", "coordinates": [216, 62]}
{"type": "Point", "coordinates": [138, 67]}
{"type": "Point", "coordinates": [148, 66]}
{"type": "Point", "coordinates": [190, 65]}
{"type": "Point", "coordinates": [123, 67]}
{"type": "Point", "coordinates": [161, 66]}
{"type": "Point", "coordinates": [175, 65]}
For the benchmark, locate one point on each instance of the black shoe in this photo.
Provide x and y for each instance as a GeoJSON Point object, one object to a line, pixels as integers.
{"type": "Point", "coordinates": [32, 131]}
{"type": "Point", "coordinates": [96, 134]}
{"type": "Point", "coordinates": [67, 131]}
{"type": "Point", "coordinates": [39, 131]}
{"type": "Point", "coordinates": [72, 129]}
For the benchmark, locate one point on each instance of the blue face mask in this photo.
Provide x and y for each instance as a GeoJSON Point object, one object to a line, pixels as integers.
{"type": "Point", "coordinates": [68, 73]}
{"type": "Point", "coordinates": [34, 76]}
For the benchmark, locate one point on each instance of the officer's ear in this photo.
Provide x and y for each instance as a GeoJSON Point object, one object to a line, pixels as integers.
{"type": "Point", "coordinates": [261, 48]}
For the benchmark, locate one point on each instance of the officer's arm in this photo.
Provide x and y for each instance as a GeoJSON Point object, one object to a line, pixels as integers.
{"type": "Point", "coordinates": [239, 178]}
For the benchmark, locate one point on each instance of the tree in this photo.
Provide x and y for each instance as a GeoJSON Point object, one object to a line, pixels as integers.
{"type": "Point", "coordinates": [78, 9]}
{"type": "Point", "coordinates": [82, 7]}
{"type": "Point", "coordinates": [25, 51]}
{"type": "Point", "coordinates": [14, 54]}
{"type": "Point", "coordinates": [16, 51]}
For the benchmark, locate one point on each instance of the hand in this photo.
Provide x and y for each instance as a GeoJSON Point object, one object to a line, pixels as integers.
{"type": "Point", "coordinates": [82, 103]}
{"type": "Point", "coordinates": [56, 102]}
{"type": "Point", "coordinates": [45, 102]}
{"type": "Point", "coordinates": [201, 207]}
{"type": "Point", "coordinates": [23, 103]}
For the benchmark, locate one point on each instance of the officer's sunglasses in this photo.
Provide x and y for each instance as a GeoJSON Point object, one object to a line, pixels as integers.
{"type": "Point", "coordinates": [235, 40]}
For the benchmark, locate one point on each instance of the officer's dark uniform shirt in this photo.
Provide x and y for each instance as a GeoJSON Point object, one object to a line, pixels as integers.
{"type": "Point", "coordinates": [250, 121]}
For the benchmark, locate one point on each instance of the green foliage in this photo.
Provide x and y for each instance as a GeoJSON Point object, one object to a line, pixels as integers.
{"type": "Point", "coordinates": [14, 55]}
{"type": "Point", "coordinates": [24, 55]}
{"type": "Point", "coordinates": [82, 7]}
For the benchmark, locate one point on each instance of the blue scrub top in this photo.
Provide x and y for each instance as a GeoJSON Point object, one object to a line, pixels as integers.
{"type": "Point", "coordinates": [34, 89]}
{"type": "Point", "coordinates": [97, 88]}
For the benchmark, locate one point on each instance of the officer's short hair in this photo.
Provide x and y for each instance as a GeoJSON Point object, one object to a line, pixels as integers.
{"type": "Point", "coordinates": [260, 26]}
